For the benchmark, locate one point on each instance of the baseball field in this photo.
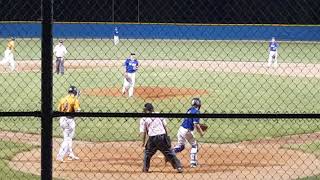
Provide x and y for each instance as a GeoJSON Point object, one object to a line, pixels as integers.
{"type": "Point", "coordinates": [228, 76]}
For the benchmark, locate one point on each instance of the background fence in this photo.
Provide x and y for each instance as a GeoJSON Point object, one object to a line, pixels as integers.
{"type": "Point", "coordinates": [262, 118]}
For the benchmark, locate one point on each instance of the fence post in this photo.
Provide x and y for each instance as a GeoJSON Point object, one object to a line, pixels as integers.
{"type": "Point", "coordinates": [46, 89]}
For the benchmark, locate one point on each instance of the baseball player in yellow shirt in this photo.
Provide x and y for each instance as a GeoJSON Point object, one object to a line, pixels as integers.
{"type": "Point", "coordinates": [69, 103]}
{"type": "Point", "coordinates": [8, 55]}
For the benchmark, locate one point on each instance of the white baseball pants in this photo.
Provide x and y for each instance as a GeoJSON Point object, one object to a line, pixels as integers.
{"type": "Point", "coordinates": [187, 135]}
{"type": "Point", "coordinates": [128, 86]}
{"type": "Point", "coordinates": [116, 40]}
{"type": "Point", "coordinates": [8, 58]}
{"type": "Point", "coordinates": [271, 60]}
{"type": "Point", "coordinates": [68, 127]}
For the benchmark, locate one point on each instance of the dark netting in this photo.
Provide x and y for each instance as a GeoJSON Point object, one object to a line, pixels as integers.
{"type": "Point", "coordinates": [110, 58]}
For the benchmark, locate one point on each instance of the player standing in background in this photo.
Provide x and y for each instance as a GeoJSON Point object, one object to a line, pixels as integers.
{"type": "Point", "coordinates": [185, 132]}
{"type": "Point", "coordinates": [273, 52]}
{"type": "Point", "coordinates": [60, 51]}
{"type": "Point", "coordinates": [156, 129]}
{"type": "Point", "coordinates": [69, 103]}
{"type": "Point", "coordinates": [116, 39]}
{"type": "Point", "coordinates": [8, 55]}
{"type": "Point", "coordinates": [131, 66]}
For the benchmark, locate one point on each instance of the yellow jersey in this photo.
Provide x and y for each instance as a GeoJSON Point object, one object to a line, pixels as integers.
{"type": "Point", "coordinates": [10, 45]}
{"type": "Point", "coordinates": [70, 103]}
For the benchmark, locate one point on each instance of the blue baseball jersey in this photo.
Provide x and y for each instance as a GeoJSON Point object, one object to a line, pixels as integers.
{"type": "Point", "coordinates": [131, 65]}
{"type": "Point", "coordinates": [188, 123]}
{"type": "Point", "coordinates": [273, 46]}
{"type": "Point", "coordinates": [116, 32]}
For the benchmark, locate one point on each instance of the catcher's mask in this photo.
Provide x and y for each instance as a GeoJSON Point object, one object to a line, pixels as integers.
{"type": "Point", "coordinates": [148, 107]}
{"type": "Point", "coordinates": [73, 90]}
{"type": "Point", "coordinates": [196, 102]}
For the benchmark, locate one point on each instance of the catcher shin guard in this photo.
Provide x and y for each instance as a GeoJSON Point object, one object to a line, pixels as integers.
{"type": "Point", "coordinates": [179, 148]}
{"type": "Point", "coordinates": [194, 155]}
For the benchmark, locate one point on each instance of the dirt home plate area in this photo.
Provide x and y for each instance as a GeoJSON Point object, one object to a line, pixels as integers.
{"type": "Point", "coordinates": [264, 159]}
{"type": "Point", "coordinates": [123, 160]}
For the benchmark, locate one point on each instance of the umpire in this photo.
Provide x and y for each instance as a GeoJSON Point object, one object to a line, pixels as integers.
{"type": "Point", "coordinates": [156, 129]}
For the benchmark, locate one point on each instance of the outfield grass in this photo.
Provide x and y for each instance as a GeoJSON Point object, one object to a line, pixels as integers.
{"type": "Point", "coordinates": [176, 50]}
{"type": "Point", "coordinates": [7, 151]}
{"type": "Point", "coordinates": [227, 92]}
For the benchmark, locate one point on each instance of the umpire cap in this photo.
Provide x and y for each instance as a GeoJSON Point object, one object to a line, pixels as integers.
{"type": "Point", "coordinates": [148, 107]}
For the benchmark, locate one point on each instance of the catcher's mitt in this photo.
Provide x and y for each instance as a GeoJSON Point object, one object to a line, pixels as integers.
{"type": "Point", "coordinates": [204, 127]}
{"type": "Point", "coordinates": [274, 56]}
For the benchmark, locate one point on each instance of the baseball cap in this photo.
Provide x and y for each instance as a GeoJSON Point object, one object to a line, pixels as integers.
{"type": "Point", "coordinates": [60, 41]}
{"type": "Point", "coordinates": [133, 53]}
{"type": "Point", "coordinates": [148, 107]}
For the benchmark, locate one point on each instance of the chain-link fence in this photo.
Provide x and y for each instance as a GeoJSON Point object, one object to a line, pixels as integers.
{"type": "Point", "coordinates": [247, 70]}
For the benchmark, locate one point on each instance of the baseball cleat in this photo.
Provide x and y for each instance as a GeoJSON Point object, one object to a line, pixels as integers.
{"type": "Point", "coordinates": [180, 170]}
{"type": "Point", "coordinates": [71, 158]}
{"type": "Point", "coordinates": [60, 160]}
{"type": "Point", "coordinates": [193, 165]}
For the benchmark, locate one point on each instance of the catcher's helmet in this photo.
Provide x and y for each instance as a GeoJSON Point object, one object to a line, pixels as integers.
{"type": "Point", "coordinates": [196, 102]}
{"type": "Point", "coordinates": [73, 90]}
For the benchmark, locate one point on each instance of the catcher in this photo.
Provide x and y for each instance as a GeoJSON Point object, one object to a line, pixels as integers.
{"type": "Point", "coordinates": [185, 132]}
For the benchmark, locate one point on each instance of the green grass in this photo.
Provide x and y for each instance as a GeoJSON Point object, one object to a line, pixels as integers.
{"type": "Point", "coordinates": [178, 50]}
{"type": "Point", "coordinates": [7, 151]}
{"type": "Point", "coordinates": [227, 92]}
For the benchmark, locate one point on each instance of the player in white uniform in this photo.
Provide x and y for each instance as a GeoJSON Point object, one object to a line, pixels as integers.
{"type": "Point", "coordinates": [131, 66]}
{"type": "Point", "coordinates": [8, 55]}
{"type": "Point", "coordinates": [185, 133]}
{"type": "Point", "coordinates": [273, 52]}
{"type": "Point", "coordinates": [116, 39]}
{"type": "Point", "coordinates": [60, 51]}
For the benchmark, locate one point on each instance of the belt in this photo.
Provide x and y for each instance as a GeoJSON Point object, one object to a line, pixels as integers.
{"type": "Point", "coordinates": [158, 135]}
